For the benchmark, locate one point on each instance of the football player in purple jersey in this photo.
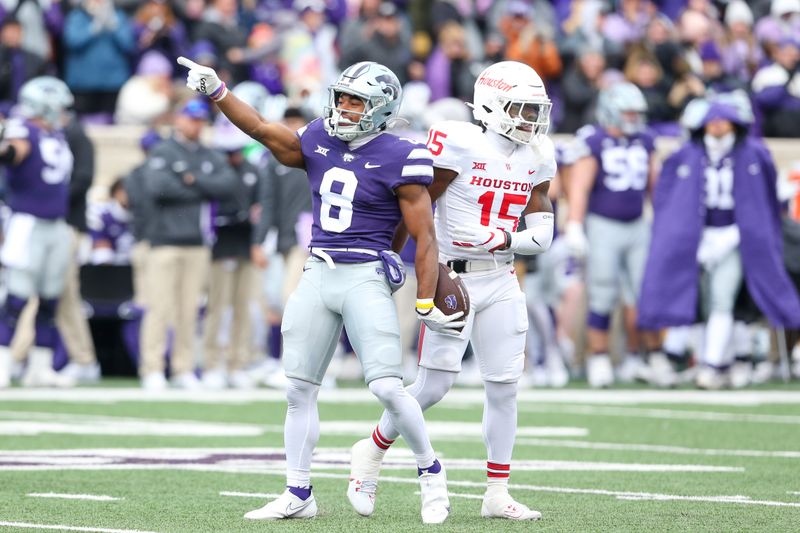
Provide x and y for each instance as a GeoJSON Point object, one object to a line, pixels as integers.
{"type": "Point", "coordinates": [36, 248]}
{"type": "Point", "coordinates": [613, 170]}
{"type": "Point", "coordinates": [364, 182]}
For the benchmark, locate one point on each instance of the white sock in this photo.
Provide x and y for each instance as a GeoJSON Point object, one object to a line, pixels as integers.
{"type": "Point", "coordinates": [405, 414]}
{"type": "Point", "coordinates": [719, 330]}
{"type": "Point", "coordinates": [429, 387]}
{"type": "Point", "coordinates": [500, 421]}
{"type": "Point", "coordinates": [301, 431]}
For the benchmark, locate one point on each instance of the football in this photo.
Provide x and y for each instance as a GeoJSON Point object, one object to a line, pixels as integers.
{"type": "Point", "coordinates": [451, 294]}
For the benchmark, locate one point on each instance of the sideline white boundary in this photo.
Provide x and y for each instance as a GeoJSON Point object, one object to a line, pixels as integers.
{"type": "Point", "coordinates": [91, 497]}
{"type": "Point", "coordinates": [70, 528]}
{"type": "Point", "coordinates": [454, 397]}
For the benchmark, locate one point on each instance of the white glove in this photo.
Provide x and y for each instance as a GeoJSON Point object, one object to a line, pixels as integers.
{"type": "Point", "coordinates": [489, 239]}
{"type": "Point", "coordinates": [716, 244]}
{"type": "Point", "coordinates": [204, 80]}
{"type": "Point", "coordinates": [576, 240]}
{"type": "Point", "coordinates": [434, 319]}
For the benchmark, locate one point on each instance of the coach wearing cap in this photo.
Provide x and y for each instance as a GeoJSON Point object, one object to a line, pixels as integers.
{"type": "Point", "coordinates": [185, 180]}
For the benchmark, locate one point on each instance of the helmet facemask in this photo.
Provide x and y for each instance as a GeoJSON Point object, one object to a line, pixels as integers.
{"type": "Point", "coordinates": [630, 125]}
{"type": "Point", "coordinates": [373, 84]}
{"type": "Point", "coordinates": [521, 121]}
{"type": "Point", "coordinates": [343, 128]}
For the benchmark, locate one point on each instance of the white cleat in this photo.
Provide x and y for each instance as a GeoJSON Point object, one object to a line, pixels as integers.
{"type": "Point", "coordinates": [711, 379]}
{"type": "Point", "coordinates": [287, 505]}
{"type": "Point", "coordinates": [365, 467]}
{"type": "Point", "coordinates": [435, 502]}
{"type": "Point", "coordinates": [40, 373]}
{"type": "Point", "coordinates": [84, 374]}
{"type": "Point", "coordinates": [186, 381]}
{"type": "Point", "coordinates": [599, 372]}
{"type": "Point", "coordinates": [154, 381]}
{"type": "Point", "coordinates": [662, 373]}
{"type": "Point", "coordinates": [502, 505]}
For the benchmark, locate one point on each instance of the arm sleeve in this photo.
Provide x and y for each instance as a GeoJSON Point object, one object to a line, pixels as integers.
{"type": "Point", "coordinates": [537, 236]}
{"type": "Point", "coordinates": [416, 167]}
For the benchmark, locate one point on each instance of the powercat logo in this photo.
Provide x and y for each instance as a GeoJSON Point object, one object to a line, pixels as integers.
{"type": "Point", "coordinates": [495, 83]}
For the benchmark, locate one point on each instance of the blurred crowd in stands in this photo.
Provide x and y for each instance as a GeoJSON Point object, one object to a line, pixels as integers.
{"type": "Point", "coordinates": [118, 57]}
{"type": "Point", "coordinates": [242, 252]}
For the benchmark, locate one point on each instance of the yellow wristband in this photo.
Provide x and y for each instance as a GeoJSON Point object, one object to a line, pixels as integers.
{"type": "Point", "coordinates": [424, 303]}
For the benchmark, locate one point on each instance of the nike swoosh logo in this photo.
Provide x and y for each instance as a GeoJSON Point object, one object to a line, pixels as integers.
{"type": "Point", "coordinates": [291, 510]}
{"type": "Point", "coordinates": [370, 165]}
{"type": "Point", "coordinates": [531, 172]}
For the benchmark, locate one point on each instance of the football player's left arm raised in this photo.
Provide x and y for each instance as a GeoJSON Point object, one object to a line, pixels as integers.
{"type": "Point", "coordinates": [415, 205]}
{"type": "Point", "coordinates": [279, 139]}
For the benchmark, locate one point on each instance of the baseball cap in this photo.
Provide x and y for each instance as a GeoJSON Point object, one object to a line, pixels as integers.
{"type": "Point", "coordinates": [149, 139]}
{"type": "Point", "coordinates": [196, 109]}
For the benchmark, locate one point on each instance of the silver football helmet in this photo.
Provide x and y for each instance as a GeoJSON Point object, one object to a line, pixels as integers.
{"type": "Point", "coordinates": [380, 90]}
{"type": "Point", "coordinates": [615, 101]}
{"type": "Point", "coordinates": [46, 98]}
{"type": "Point", "coordinates": [510, 99]}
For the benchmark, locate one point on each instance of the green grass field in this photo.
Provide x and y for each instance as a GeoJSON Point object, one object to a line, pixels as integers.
{"type": "Point", "coordinates": [622, 460]}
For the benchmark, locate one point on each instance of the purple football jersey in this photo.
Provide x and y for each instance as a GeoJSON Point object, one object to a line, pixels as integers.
{"type": "Point", "coordinates": [111, 222]}
{"type": "Point", "coordinates": [623, 164]}
{"type": "Point", "coordinates": [353, 199]}
{"type": "Point", "coordinates": [39, 185]}
{"type": "Point", "coordinates": [718, 195]}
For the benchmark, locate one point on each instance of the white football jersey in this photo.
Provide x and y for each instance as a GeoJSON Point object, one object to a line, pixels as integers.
{"type": "Point", "coordinates": [493, 186]}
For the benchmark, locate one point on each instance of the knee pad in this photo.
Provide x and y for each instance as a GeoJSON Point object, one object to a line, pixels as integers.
{"type": "Point", "coordinates": [300, 393]}
{"type": "Point", "coordinates": [386, 389]}
{"type": "Point", "coordinates": [501, 393]}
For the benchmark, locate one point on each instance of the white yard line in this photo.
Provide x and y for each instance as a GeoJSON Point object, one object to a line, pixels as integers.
{"type": "Point", "coordinates": [60, 527]}
{"type": "Point", "coordinates": [654, 448]}
{"type": "Point", "coordinates": [455, 397]}
{"type": "Point", "coordinates": [249, 494]}
{"type": "Point", "coordinates": [92, 497]}
{"type": "Point", "coordinates": [674, 414]}
{"type": "Point", "coordinates": [620, 495]}
{"type": "Point", "coordinates": [461, 495]}
{"type": "Point", "coordinates": [793, 492]}
{"type": "Point", "coordinates": [255, 461]}
{"type": "Point", "coordinates": [37, 423]}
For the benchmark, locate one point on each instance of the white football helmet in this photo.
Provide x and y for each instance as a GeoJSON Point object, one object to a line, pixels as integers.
{"type": "Point", "coordinates": [622, 97]}
{"type": "Point", "coordinates": [510, 99]}
{"type": "Point", "coordinates": [46, 98]}
{"type": "Point", "coordinates": [380, 90]}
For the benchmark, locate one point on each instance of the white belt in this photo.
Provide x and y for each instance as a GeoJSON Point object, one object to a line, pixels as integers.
{"type": "Point", "coordinates": [322, 253]}
{"type": "Point", "coordinates": [465, 266]}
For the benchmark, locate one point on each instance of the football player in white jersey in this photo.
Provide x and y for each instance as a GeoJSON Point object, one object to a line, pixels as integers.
{"type": "Point", "coordinates": [485, 179]}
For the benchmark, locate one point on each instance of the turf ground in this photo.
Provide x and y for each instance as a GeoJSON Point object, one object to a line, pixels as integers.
{"type": "Point", "coordinates": [116, 459]}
